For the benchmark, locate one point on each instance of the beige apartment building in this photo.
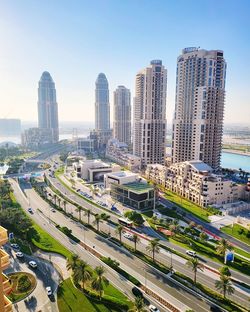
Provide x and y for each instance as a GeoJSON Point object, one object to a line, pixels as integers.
{"type": "Point", "coordinates": [199, 106]}
{"type": "Point", "coordinates": [5, 287]}
{"type": "Point", "coordinates": [149, 131]}
{"type": "Point", "coordinates": [196, 181]}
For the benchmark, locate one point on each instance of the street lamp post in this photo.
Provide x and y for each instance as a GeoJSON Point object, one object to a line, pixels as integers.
{"type": "Point", "coordinates": [145, 277]}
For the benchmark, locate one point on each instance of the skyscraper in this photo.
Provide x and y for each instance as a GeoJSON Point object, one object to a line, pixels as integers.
{"type": "Point", "coordinates": [122, 115]}
{"type": "Point", "coordinates": [102, 107]}
{"type": "Point", "coordinates": [149, 133]}
{"type": "Point", "coordinates": [47, 105]}
{"type": "Point", "coordinates": [199, 106]}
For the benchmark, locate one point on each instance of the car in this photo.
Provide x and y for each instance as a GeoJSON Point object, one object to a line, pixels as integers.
{"type": "Point", "coordinates": [49, 291]}
{"type": "Point", "coordinates": [214, 308]}
{"type": "Point", "coordinates": [30, 210]}
{"type": "Point", "coordinates": [52, 210]}
{"type": "Point", "coordinates": [19, 254]}
{"type": "Point", "coordinates": [153, 308]}
{"type": "Point", "coordinates": [78, 190]}
{"type": "Point", "coordinates": [33, 264]}
{"type": "Point", "coordinates": [15, 246]}
{"type": "Point", "coordinates": [127, 235]}
{"type": "Point", "coordinates": [136, 292]}
{"type": "Point", "coordinates": [191, 253]}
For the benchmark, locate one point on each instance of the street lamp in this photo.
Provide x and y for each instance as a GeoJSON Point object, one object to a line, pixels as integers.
{"type": "Point", "coordinates": [145, 271]}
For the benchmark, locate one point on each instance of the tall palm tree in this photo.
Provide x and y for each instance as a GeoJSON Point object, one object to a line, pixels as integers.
{"type": "Point", "coordinates": [223, 246]}
{"type": "Point", "coordinates": [55, 198]}
{"type": "Point", "coordinates": [64, 205]}
{"type": "Point", "coordinates": [79, 210]}
{"type": "Point", "coordinates": [59, 202]}
{"type": "Point", "coordinates": [224, 285]}
{"type": "Point", "coordinates": [72, 262]}
{"type": "Point", "coordinates": [100, 281]}
{"type": "Point", "coordinates": [82, 273]}
{"type": "Point", "coordinates": [195, 265]}
{"type": "Point", "coordinates": [136, 240]}
{"type": "Point", "coordinates": [153, 247]}
{"type": "Point", "coordinates": [88, 214]}
{"type": "Point", "coordinates": [97, 221]}
{"type": "Point", "coordinates": [119, 229]}
{"type": "Point", "coordinates": [138, 306]}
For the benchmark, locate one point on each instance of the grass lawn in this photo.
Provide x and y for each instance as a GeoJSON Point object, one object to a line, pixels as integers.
{"type": "Point", "coordinates": [71, 299]}
{"type": "Point", "coordinates": [235, 232]}
{"type": "Point", "coordinates": [198, 211]}
{"type": "Point", "coordinates": [44, 241]}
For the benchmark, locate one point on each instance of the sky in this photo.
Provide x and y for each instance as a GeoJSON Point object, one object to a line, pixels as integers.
{"type": "Point", "coordinates": [75, 40]}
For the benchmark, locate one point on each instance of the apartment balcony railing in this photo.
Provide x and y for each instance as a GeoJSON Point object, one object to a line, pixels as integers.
{"type": "Point", "coordinates": [7, 305]}
{"type": "Point", "coordinates": [4, 260]}
{"type": "Point", "coordinates": [3, 236]}
{"type": "Point", "coordinates": [6, 284]}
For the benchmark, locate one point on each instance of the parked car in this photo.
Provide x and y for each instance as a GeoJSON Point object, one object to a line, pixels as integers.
{"type": "Point", "coordinates": [15, 246]}
{"type": "Point", "coordinates": [127, 235]}
{"type": "Point", "coordinates": [19, 254]}
{"type": "Point", "coordinates": [52, 210]}
{"type": "Point", "coordinates": [215, 309]}
{"type": "Point", "coordinates": [191, 253]}
{"type": "Point", "coordinates": [49, 291]}
{"type": "Point", "coordinates": [136, 292]}
{"type": "Point", "coordinates": [33, 264]}
{"type": "Point", "coordinates": [30, 210]}
{"type": "Point", "coordinates": [153, 308]}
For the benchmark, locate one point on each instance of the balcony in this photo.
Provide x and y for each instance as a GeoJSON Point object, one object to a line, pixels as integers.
{"type": "Point", "coordinates": [7, 305]}
{"type": "Point", "coordinates": [4, 260]}
{"type": "Point", "coordinates": [6, 284]}
{"type": "Point", "coordinates": [3, 236]}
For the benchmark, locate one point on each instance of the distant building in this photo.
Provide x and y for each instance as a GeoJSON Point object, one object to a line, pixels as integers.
{"type": "Point", "coordinates": [35, 138]}
{"type": "Point", "coordinates": [196, 181]}
{"type": "Point", "coordinates": [199, 106]}
{"type": "Point", "coordinates": [93, 170]}
{"type": "Point", "coordinates": [118, 152]}
{"type": "Point", "coordinates": [47, 105]}
{"type": "Point", "coordinates": [122, 115]}
{"type": "Point", "coordinates": [149, 132]}
{"type": "Point", "coordinates": [102, 107]}
{"type": "Point", "coordinates": [86, 145]}
{"type": "Point", "coordinates": [10, 127]}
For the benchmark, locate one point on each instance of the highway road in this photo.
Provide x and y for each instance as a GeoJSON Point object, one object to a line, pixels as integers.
{"type": "Point", "coordinates": [43, 220]}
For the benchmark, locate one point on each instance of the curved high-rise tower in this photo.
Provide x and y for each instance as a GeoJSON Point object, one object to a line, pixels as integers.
{"type": "Point", "coordinates": [47, 105]}
{"type": "Point", "coordinates": [102, 107]}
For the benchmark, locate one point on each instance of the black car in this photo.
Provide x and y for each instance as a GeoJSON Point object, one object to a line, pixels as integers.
{"type": "Point", "coordinates": [136, 292]}
{"type": "Point", "coordinates": [215, 309]}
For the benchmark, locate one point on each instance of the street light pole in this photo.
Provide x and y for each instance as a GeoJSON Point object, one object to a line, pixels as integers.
{"type": "Point", "coordinates": [145, 277]}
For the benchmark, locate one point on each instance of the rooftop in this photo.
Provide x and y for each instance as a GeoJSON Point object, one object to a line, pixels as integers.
{"type": "Point", "coordinates": [200, 166]}
{"type": "Point", "coordinates": [138, 187]}
{"type": "Point", "coordinates": [121, 174]}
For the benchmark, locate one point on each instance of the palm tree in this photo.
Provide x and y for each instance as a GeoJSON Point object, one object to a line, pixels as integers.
{"type": "Point", "coordinates": [88, 214]}
{"type": "Point", "coordinates": [64, 204]}
{"type": "Point", "coordinates": [139, 305]}
{"type": "Point", "coordinates": [59, 202]}
{"type": "Point", "coordinates": [119, 230]}
{"type": "Point", "coordinates": [55, 198]}
{"type": "Point", "coordinates": [100, 280]}
{"type": "Point", "coordinates": [79, 210]}
{"type": "Point", "coordinates": [223, 246]}
{"type": "Point", "coordinates": [72, 262]}
{"type": "Point", "coordinates": [136, 240]}
{"type": "Point", "coordinates": [153, 247]}
{"type": "Point", "coordinates": [224, 285]}
{"type": "Point", "coordinates": [98, 219]}
{"type": "Point", "coordinates": [195, 265]}
{"type": "Point", "coordinates": [82, 273]}
{"type": "Point", "coordinates": [203, 236]}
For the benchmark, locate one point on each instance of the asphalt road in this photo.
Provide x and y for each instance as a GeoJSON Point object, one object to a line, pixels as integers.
{"type": "Point", "coordinates": [45, 274]}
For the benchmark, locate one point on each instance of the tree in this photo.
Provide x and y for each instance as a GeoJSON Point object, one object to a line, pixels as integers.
{"type": "Point", "coordinates": [200, 227]}
{"type": "Point", "coordinates": [59, 202]}
{"type": "Point", "coordinates": [100, 281]}
{"type": "Point", "coordinates": [153, 247]}
{"type": "Point", "coordinates": [191, 224]}
{"type": "Point", "coordinates": [72, 262]}
{"type": "Point", "coordinates": [88, 214]}
{"type": "Point", "coordinates": [97, 221]}
{"type": "Point", "coordinates": [223, 246]}
{"type": "Point", "coordinates": [195, 265]}
{"type": "Point", "coordinates": [136, 240]}
{"type": "Point", "coordinates": [203, 236]}
{"type": "Point", "coordinates": [55, 198]}
{"type": "Point", "coordinates": [174, 228]}
{"type": "Point", "coordinates": [135, 217]}
{"type": "Point", "coordinates": [138, 305]}
{"type": "Point", "coordinates": [79, 210]}
{"type": "Point", "coordinates": [224, 285]}
{"type": "Point", "coordinates": [82, 273]}
{"type": "Point", "coordinates": [225, 271]}
{"type": "Point", "coordinates": [119, 229]}
{"type": "Point", "coordinates": [64, 205]}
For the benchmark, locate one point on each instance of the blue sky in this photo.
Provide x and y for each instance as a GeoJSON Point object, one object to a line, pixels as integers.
{"type": "Point", "coordinates": [75, 40]}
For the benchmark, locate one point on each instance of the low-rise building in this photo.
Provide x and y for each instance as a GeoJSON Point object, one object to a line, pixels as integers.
{"type": "Point", "coordinates": [121, 177]}
{"type": "Point", "coordinates": [34, 138]}
{"type": "Point", "coordinates": [93, 170]}
{"type": "Point", "coordinates": [118, 152]}
{"type": "Point", "coordinates": [196, 181]}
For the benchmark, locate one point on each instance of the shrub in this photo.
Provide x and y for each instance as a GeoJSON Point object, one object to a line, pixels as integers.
{"type": "Point", "coordinates": [24, 283]}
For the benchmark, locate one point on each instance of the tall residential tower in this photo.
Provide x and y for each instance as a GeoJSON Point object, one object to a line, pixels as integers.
{"type": "Point", "coordinates": [199, 106]}
{"type": "Point", "coordinates": [122, 115]}
{"type": "Point", "coordinates": [149, 133]}
{"type": "Point", "coordinates": [102, 107]}
{"type": "Point", "coordinates": [47, 105]}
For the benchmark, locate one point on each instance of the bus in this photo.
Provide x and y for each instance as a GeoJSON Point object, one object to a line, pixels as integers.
{"type": "Point", "coordinates": [125, 222]}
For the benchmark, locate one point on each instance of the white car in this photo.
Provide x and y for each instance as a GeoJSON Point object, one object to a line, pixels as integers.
{"type": "Point", "coordinates": [15, 246]}
{"type": "Point", "coordinates": [152, 308]}
{"type": "Point", "coordinates": [33, 264]}
{"type": "Point", "coordinates": [127, 235]}
{"type": "Point", "coordinates": [19, 254]}
{"type": "Point", "coordinates": [191, 253]}
{"type": "Point", "coordinates": [49, 291]}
